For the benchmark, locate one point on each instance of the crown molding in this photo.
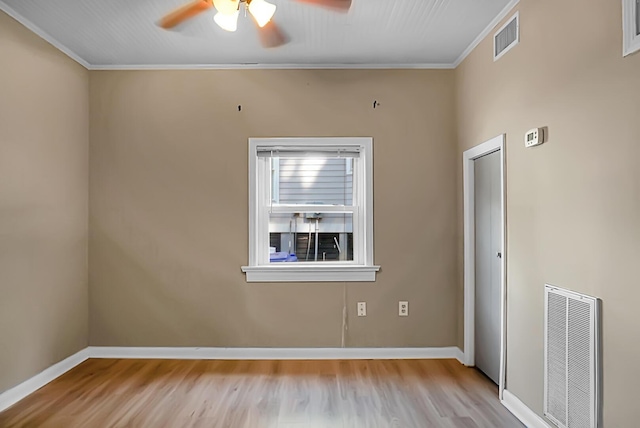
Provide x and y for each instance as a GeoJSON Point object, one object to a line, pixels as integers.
{"type": "Point", "coordinates": [273, 67]}
{"type": "Point", "coordinates": [43, 34]}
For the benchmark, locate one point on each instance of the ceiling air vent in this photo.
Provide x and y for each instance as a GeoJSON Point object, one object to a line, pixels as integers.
{"type": "Point", "coordinates": [506, 37]}
{"type": "Point", "coordinates": [637, 17]}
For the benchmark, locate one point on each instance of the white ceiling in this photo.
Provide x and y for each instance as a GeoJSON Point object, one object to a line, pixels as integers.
{"type": "Point", "coordinates": [376, 33]}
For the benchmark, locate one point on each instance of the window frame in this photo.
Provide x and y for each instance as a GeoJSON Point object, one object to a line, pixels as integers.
{"type": "Point", "coordinates": [631, 32]}
{"type": "Point", "coordinates": [361, 269]}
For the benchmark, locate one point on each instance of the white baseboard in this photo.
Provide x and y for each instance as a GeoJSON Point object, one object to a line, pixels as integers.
{"type": "Point", "coordinates": [17, 393]}
{"type": "Point", "coordinates": [522, 412]}
{"type": "Point", "coordinates": [460, 356]}
{"type": "Point", "coordinates": [275, 353]}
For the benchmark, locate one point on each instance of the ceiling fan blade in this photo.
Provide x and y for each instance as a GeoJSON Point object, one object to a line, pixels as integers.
{"type": "Point", "coordinates": [185, 12]}
{"type": "Point", "coordinates": [271, 36]}
{"type": "Point", "coordinates": [339, 5]}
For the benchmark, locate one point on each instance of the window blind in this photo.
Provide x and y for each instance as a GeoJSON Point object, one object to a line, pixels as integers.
{"type": "Point", "coordinates": [308, 151]}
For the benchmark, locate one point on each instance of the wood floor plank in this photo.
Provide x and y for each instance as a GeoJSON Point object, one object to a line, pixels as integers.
{"type": "Point", "coordinates": [264, 394]}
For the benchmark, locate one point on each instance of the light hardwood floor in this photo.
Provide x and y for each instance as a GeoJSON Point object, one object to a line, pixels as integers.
{"type": "Point", "coordinates": [264, 394]}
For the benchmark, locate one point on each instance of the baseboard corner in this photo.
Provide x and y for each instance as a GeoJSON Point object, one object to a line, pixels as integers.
{"type": "Point", "coordinates": [11, 396]}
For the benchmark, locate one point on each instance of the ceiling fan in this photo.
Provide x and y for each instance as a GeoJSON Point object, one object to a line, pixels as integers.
{"type": "Point", "coordinates": [228, 11]}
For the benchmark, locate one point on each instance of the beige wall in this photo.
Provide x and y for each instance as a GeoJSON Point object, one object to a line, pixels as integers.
{"type": "Point", "coordinates": [573, 204]}
{"type": "Point", "coordinates": [169, 212]}
{"type": "Point", "coordinates": [44, 98]}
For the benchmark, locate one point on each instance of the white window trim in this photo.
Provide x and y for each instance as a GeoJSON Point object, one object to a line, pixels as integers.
{"type": "Point", "coordinates": [362, 270]}
{"type": "Point", "coordinates": [631, 40]}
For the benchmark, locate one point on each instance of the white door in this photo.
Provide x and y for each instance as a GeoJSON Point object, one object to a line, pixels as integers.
{"type": "Point", "coordinates": [488, 251]}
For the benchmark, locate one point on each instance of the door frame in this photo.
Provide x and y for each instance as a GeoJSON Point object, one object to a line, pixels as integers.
{"type": "Point", "coordinates": [495, 144]}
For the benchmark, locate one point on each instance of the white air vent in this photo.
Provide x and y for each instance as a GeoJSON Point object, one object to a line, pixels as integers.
{"type": "Point", "coordinates": [572, 379]}
{"type": "Point", "coordinates": [507, 37]}
{"type": "Point", "coordinates": [637, 17]}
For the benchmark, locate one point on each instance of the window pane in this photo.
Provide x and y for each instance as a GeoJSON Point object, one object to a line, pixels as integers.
{"type": "Point", "coordinates": [312, 180]}
{"type": "Point", "coordinates": [310, 237]}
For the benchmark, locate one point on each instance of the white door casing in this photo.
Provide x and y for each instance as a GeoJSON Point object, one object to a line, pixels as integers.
{"type": "Point", "coordinates": [494, 145]}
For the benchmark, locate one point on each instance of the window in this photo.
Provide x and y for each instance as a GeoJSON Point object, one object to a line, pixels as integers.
{"type": "Point", "coordinates": [631, 26]}
{"type": "Point", "coordinates": [310, 210]}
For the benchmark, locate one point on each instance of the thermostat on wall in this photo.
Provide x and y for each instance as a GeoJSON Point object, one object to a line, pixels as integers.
{"type": "Point", "coordinates": [534, 137]}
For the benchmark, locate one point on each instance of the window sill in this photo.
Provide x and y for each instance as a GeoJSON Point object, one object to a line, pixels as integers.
{"type": "Point", "coordinates": [291, 273]}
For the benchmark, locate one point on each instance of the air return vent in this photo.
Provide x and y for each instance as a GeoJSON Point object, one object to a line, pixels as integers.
{"type": "Point", "coordinates": [572, 379]}
{"type": "Point", "coordinates": [506, 37]}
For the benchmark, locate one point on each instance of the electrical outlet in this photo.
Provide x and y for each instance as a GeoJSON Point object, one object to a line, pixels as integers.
{"type": "Point", "coordinates": [403, 309]}
{"type": "Point", "coordinates": [362, 309]}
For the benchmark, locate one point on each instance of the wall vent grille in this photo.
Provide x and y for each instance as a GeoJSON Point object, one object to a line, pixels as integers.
{"type": "Point", "coordinates": [637, 17]}
{"type": "Point", "coordinates": [572, 359]}
{"type": "Point", "coordinates": [507, 37]}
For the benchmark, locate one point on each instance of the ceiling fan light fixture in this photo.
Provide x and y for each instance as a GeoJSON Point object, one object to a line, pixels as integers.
{"type": "Point", "coordinates": [226, 7]}
{"type": "Point", "coordinates": [262, 11]}
{"type": "Point", "coordinates": [228, 22]}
